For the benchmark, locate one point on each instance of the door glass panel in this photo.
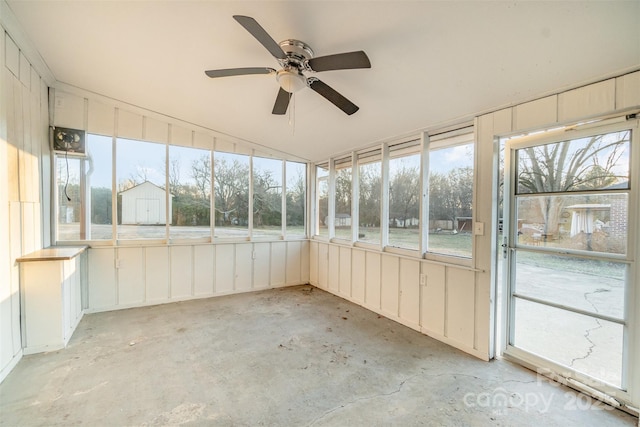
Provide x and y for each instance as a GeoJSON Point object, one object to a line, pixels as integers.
{"type": "Point", "coordinates": [597, 162]}
{"type": "Point", "coordinates": [587, 222]}
{"type": "Point", "coordinates": [582, 343]}
{"type": "Point", "coordinates": [590, 285]}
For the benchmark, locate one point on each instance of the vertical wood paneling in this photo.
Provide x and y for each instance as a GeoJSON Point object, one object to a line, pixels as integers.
{"type": "Point", "coordinates": [587, 101]}
{"type": "Point", "coordinates": [156, 274]}
{"type": "Point", "coordinates": [12, 56]}
{"type": "Point", "coordinates": [25, 71]}
{"type": "Point", "coordinates": [357, 275]}
{"type": "Point", "coordinates": [541, 112]}
{"type": "Point", "coordinates": [203, 273]}
{"type": "Point", "coordinates": [372, 280]}
{"type": "Point", "coordinates": [344, 287]}
{"type": "Point", "coordinates": [102, 279]}
{"type": "Point", "coordinates": [244, 267]}
{"type": "Point", "coordinates": [26, 173]}
{"type": "Point", "coordinates": [181, 271]}
{"type": "Point", "coordinates": [294, 263]}
{"type": "Point", "coordinates": [313, 263]}
{"type": "Point", "coordinates": [68, 110]}
{"type": "Point", "coordinates": [433, 298]}
{"type": "Point", "coordinates": [28, 229]}
{"type": "Point", "coordinates": [204, 141]}
{"type": "Point", "coordinates": [305, 266]}
{"type": "Point", "coordinates": [129, 125]}
{"type": "Point", "coordinates": [278, 263]}
{"type": "Point", "coordinates": [628, 91]}
{"type": "Point", "coordinates": [101, 118]}
{"type": "Point", "coordinates": [390, 286]}
{"type": "Point", "coordinates": [131, 281]}
{"type": "Point", "coordinates": [333, 281]}
{"type": "Point", "coordinates": [155, 130]}
{"type": "Point", "coordinates": [261, 265]}
{"type": "Point", "coordinates": [410, 291]}
{"type": "Point", "coordinates": [323, 265]}
{"type": "Point", "coordinates": [180, 136]}
{"type": "Point", "coordinates": [225, 268]}
{"type": "Point", "coordinates": [460, 306]}
{"type": "Point", "coordinates": [18, 140]}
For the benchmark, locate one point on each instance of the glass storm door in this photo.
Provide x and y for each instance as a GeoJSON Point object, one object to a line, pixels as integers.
{"type": "Point", "coordinates": [569, 241]}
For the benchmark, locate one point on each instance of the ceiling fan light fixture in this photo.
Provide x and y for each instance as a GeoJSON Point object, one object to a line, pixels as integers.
{"type": "Point", "coordinates": [291, 80]}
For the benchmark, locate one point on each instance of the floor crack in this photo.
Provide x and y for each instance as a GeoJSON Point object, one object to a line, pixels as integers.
{"type": "Point", "coordinates": [587, 332]}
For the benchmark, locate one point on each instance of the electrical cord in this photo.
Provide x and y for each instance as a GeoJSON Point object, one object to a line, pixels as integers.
{"type": "Point", "coordinates": [66, 159]}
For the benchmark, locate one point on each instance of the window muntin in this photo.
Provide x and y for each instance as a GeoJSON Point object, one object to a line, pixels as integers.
{"type": "Point", "coordinates": [450, 199]}
{"type": "Point", "coordinates": [404, 200]}
{"type": "Point", "coordinates": [322, 200]}
{"type": "Point", "coordinates": [296, 195]}
{"type": "Point", "coordinates": [190, 187]}
{"type": "Point", "coordinates": [142, 195]}
{"type": "Point", "coordinates": [231, 188]}
{"type": "Point", "coordinates": [267, 197]}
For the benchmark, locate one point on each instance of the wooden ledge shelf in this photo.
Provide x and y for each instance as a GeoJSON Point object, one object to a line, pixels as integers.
{"type": "Point", "coordinates": [54, 253]}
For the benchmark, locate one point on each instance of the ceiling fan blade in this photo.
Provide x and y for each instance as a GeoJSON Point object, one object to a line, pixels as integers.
{"type": "Point", "coordinates": [334, 97]}
{"type": "Point", "coordinates": [261, 35]}
{"type": "Point", "coordinates": [340, 61]}
{"type": "Point", "coordinates": [239, 71]}
{"type": "Point", "coordinates": [282, 102]}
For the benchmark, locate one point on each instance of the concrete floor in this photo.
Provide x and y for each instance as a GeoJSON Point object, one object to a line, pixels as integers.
{"type": "Point", "coordinates": [287, 357]}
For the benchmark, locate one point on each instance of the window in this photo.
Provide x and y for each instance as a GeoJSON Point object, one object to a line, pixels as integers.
{"type": "Point", "coordinates": [142, 193]}
{"type": "Point", "coordinates": [85, 181]}
{"type": "Point", "coordinates": [190, 189]}
{"type": "Point", "coordinates": [267, 197]}
{"type": "Point", "coordinates": [322, 200]}
{"type": "Point", "coordinates": [231, 178]}
{"type": "Point", "coordinates": [342, 220]}
{"type": "Point", "coordinates": [404, 196]}
{"type": "Point", "coordinates": [370, 189]}
{"type": "Point", "coordinates": [296, 187]}
{"type": "Point", "coordinates": [451, 163]}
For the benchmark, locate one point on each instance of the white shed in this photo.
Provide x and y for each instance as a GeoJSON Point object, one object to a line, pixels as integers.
{"type": "Point", "coordinates": [144, 204]}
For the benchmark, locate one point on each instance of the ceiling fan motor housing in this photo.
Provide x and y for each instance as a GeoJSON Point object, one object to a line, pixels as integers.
{"type": "Point", "coordinates": [290, 77]}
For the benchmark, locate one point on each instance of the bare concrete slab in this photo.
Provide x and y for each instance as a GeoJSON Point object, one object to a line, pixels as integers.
{"type": "Point", "coordinates": [288, 357]}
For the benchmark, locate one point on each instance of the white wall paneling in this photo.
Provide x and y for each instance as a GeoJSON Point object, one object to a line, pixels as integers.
{"type": "Point", "coordinates": [305, 262]}
{"type": "Point", "coordinates": [11, 55]}
{"type": "Point", "coordinates": [278, 263]}
{"type": "Point", "coordinates": [155, 130]}
{"type": "Point", "coordinates": [628, 91]}
{"type": "Point", "coordinates": [460, 306]}
{"type": "Point", "coordinates": [314, 263]}
{"type": "Point", "coordinates": [410, 292]}
{"type": "Point", "coordinates": [137, 276]}
{"type": "Point", "coordinates": [372, 280]}
{"type": "Point", "coordinates": [344, 276]}
{"type": "Point", "coordinates": [203, 271]}
{"type": "Point", "coordinates": [323, 265]}
{"type": "Point", "coordinates": [102, 288]}
{"type": "Point", "coordinates": [358, 273]}
{"type": "Point", "coordinates": [532, 115]}
{"type": "Point", "coordinates": [390, 288]}
{"type": "Point", "coordinates": [129, 124]}
{"type": "Point", "coordinates": [432, 301]}
{"type": "Point", "coordinates": [587, 101]}
{"type": "Point", "coordinates": [131, 276]}
{"type": "Point", "coordinates": [181, 272]}
{"type": "Point", "coordinates": [101, 118]}
{"type": "Point", "coordinates": [333, 267]}
{"type": "Point", "coordinates": [181, 136]}
{"type": "Point", "coordinates": [225, 269]}
{"type": "Point", "coordinates": [156, 263]}
{"type": "Point", "coordinates": [69, 110]}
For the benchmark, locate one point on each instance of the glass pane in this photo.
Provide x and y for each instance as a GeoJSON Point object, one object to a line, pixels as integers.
{"type": "Point", "coordinates": [589, 285]}
{"type": "Point", "coordinates": [404, 202]}
{"type": "Point", "coordinates": [231, 187]}
{"type": "Point", "coordinates": [588, 345]}
{"type": "Point", "coordinates": [450, 200]}
{"type": "Point", "coordinates": [593, 222]}
{"type": "Point", "coordinates": [598, 162]}
{"type": "Point", "coordinates": [322, 202]}
{"type": "Point", "coordinates": [69, 197]}
{"type": "Point", "coordinates": [342, 220]}
{"type": "Point", "coordinates": [296, 199]}
{"type": "Point", "coordinates": [99, 157]}
{"type": "Point", "coordinates": [190, 187]}
{"type": "Point", "coordinates": [369, 202]}
{"type": "Point", "coordinates": [267, 197]}
{"type": "Point", "coordinates": [142, 196]}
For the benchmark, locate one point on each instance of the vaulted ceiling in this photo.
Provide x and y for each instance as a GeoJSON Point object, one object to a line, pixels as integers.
{"type": "Point", "coordinates": [433, 62]}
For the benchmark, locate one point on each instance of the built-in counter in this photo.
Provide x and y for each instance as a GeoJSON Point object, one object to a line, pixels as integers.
{"type": "Point", "coordinates": [52, 283]}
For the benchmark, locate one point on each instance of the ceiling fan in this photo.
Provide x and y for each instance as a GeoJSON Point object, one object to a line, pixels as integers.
{"type": "Point", "coordinates": [296, 58]}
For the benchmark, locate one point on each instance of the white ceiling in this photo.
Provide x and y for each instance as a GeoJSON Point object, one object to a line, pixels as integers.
{"type": "Point", "coordinates": [432, 62]}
